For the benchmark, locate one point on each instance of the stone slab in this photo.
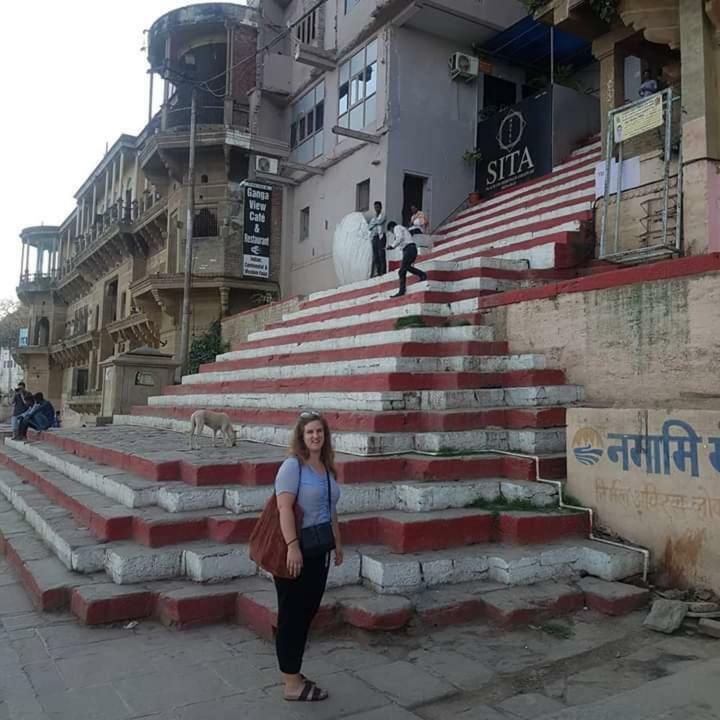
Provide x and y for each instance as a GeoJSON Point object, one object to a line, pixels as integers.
{"type": "Point", "coordinates": [407, 684]}
{"type": "Point", "coordinates": [709, 627]}
{"type": "Point", "coordinates": [666, 616]}
{"type": "Point", "coordinates": [530, 705]}
{"type": "Point", "coordinates": [612, 598]}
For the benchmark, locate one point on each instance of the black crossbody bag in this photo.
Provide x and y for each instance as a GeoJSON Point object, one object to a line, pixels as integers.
{"type": "Point", "coordinates": [317, 540]}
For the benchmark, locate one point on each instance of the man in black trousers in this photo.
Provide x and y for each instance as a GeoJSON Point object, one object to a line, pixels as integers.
{"type": "Point", "coordinates": [405, 241]}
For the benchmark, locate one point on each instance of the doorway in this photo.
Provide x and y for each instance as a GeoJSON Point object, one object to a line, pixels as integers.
{"type": "Point", "coordinates": [413, 194]}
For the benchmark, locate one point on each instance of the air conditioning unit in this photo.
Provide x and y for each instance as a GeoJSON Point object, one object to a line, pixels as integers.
{"type": "Point", "coordinates": [266, 165]}
{"type": "Point", "coordinates": [464, 66]}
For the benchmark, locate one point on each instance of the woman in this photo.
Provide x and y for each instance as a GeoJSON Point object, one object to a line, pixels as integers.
{"type": "Point", "coordinates": [304, 478]}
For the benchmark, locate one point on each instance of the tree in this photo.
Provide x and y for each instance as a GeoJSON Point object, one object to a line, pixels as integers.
{"type": "Point", "coordinates": [13, 316]}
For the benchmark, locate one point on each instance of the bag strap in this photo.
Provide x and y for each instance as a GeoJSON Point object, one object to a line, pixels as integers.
{"type": "Point", "coordinates": [327, 475]}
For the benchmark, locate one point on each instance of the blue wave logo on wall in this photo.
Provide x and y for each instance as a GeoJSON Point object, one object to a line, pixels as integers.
{"type": "Point", "coordinates": [588, 446]}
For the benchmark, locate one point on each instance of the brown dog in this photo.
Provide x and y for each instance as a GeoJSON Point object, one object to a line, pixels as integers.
{"type": "Point", "coordinates": [218, 422]}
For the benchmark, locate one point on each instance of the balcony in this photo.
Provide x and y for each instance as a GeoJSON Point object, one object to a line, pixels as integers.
{"type": "Point", "coordinates": [75, 350]}
{"type": "Point", "coordinates": [137, 329]}
{"type": "Point", "coordinates": [31, 283]}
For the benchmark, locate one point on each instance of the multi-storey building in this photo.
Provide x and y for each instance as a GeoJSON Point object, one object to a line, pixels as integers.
{"type": "Point", "coordinates": [330, 105]}
{"type": "Point", "coordinates": [109, 278]}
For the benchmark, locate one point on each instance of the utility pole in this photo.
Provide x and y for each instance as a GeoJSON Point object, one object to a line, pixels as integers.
{"type": "Point", "coordinates": [190, 216]}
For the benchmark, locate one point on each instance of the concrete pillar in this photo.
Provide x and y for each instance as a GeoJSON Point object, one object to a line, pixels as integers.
{"type": "Point", "coordinates": [77, 220]}
{"type": "Point", "coordinates": [39, 260]}
{"type": "Point", "coordinates": [106, 201]}
{"type": "Point", "coordinates": [23, 261]}
{"type": "Point", "coordinates": [121, 186]}
{"type": "Point", "coordinates": [94, 204]}
{"type": "Point", "coordinates": [82, 215]}
{"type": "Point", "coordinates": [112, 183]}
{"type": "Point", "coordinates": [700, 65]}
{"type": "Point", "coordinates": [612, 73]}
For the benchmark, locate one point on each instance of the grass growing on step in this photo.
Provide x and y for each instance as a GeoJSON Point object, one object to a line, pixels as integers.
{"type": "Point", "coordinates": [558, 630]}
{"type": "Point", "coordinates": [410, 321]}
{"type": "Point", "coordinates": [503, 504]}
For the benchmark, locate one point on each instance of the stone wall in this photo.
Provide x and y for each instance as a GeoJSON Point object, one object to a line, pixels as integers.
{"type": "Point", "coordinates": [641, 344]}
{"type": "Point", "coordinates": [236, 328]}
{"type": "Point", "coordinates": [653, 477]}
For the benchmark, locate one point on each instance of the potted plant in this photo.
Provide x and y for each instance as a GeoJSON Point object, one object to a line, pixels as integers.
{"type": "Point", "coordinates": [472, 158]}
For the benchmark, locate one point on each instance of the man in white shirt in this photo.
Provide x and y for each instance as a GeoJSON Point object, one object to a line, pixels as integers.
{"type": "Point", "coordinates": [404, 240]}
{"type": "Point", "coordinates": [376, 225]}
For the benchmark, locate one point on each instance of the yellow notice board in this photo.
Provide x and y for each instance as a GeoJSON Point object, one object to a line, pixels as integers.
{"type": "Point", "coordinates": [639, 119]}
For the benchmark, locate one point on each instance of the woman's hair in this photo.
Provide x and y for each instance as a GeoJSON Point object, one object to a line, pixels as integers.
{"type": "Point", "coordinates": [299, 449]}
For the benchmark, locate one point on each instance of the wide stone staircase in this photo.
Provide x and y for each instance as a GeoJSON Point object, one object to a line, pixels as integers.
{"type": "Point", "coordinates": [450, 455]}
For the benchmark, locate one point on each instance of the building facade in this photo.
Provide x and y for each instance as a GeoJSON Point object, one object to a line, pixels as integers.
{"type": "Point", "coordinates": [371, 112]}
{"type": "Point", "coordinates": [328, 106]}
{"type": "Point", "coordinates": [109, 278]}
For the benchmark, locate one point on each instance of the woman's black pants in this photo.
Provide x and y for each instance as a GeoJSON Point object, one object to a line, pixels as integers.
{"type": "Point", "coordinates": [298, 603]}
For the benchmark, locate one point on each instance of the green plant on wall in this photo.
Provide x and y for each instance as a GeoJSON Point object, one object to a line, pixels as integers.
{"type": "Point", "coordinates": [604, 9]}
{"type": "Point", "coordinates": [207, 347]}
{"type": "Point", "coordinates": [472, 156]}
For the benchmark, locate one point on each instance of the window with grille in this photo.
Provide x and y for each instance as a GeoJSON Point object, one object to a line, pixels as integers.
{"type": "Point", "coordinates": [205, 223]}
{"type": "Point", "coordinates": [306, 125]}
{"type": "Point", "coordinates": [357, 107]}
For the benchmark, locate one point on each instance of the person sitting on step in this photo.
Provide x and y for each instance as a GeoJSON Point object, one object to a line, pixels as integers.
{"type": "Point", "coordinates": [405, 241]}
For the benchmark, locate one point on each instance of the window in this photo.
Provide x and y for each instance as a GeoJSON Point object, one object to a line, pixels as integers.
{"type": "Point", "coordinates": [304, 224]}
{"type": "Point", "coordinates": [362, 196]}
{"type": "Point", "coordinates": [306, 125]}
{"type": "Point", "coordinates": [358, 88]}
{"type": "Point", "coordinates": [350, 4]}
{"type": "Point", "coordinates": [205, 223]}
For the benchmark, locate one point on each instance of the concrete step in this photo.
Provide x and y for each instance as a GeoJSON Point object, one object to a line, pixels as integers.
{"type": "Point", "coordinates": [377, 382]}
{"type": "Point", "coordinates": [361, 520]}
{"type": "Point", "coordinates": [500, 268]}
{"type": "Point", "coordinates": [421, 339]}
{"type": "Point", "coordinates": [530, 440]}
{"type": "Point", "coordinates": [380, 422]}
{"type": "Point", "coordinates": [446, 289]}
{"type": "Point", "coordinates": [536, 245]}
{"type": "Point", "coordinates": [363, 497]}
{"type": "Point", "coordinates": [377, 402]}
{"type": "Point", "coordinates": [371, 365]}
{"type": "Point", "coordinates": [501, 216]}
{"type": "Point", "coordinates": [163, 456]}
{"type": "Point", "coordinates": [575, 171]}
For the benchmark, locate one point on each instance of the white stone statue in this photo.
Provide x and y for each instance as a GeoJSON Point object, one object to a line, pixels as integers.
{"type": "Point", "coordinates": [352, 249]}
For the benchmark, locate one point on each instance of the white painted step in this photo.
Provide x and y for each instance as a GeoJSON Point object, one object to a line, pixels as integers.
{"type": "Point", "coordinates": [478, 232]}
{"type": "Point", "coordinates": [429, 335]}
{"type": "Point", "coordinates": [74, 545]}
{"type": "Point", "coordinates": [371, 283]}
{"type": "Point", "coordinates": [582, 164]}
{"type": "Point", "coordinates": [501, 217]}
{"type": "Point", "coordinates": [477, 284]}
{"type": "Point", "coordinates": [378, 401]}
{"type": "Point", "coordinates": [367, 366]}
{"type": "Point", "coordinates": [391, 312]}
{"type": "Point", "coordinates": [534, 441]}
{"type": "Point", "coordinates": [412, 497]}
{"type": "Point", "coordinates": [390, 573]}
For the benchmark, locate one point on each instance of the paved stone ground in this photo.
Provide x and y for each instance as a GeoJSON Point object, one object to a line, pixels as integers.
{"type": "Point", "coordinates": [587, 666]}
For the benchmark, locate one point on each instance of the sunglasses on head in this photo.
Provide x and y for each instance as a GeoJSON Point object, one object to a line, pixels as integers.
{"type": "Point", "coordinates": [309, 414]}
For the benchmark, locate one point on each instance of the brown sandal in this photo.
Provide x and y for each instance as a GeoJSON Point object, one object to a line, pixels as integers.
{"type": "Point", "coordinates": [310, 693]}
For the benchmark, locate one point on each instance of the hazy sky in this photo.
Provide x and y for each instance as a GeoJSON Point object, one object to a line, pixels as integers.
{"type": "Point", "coordinates": [74, 78]}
